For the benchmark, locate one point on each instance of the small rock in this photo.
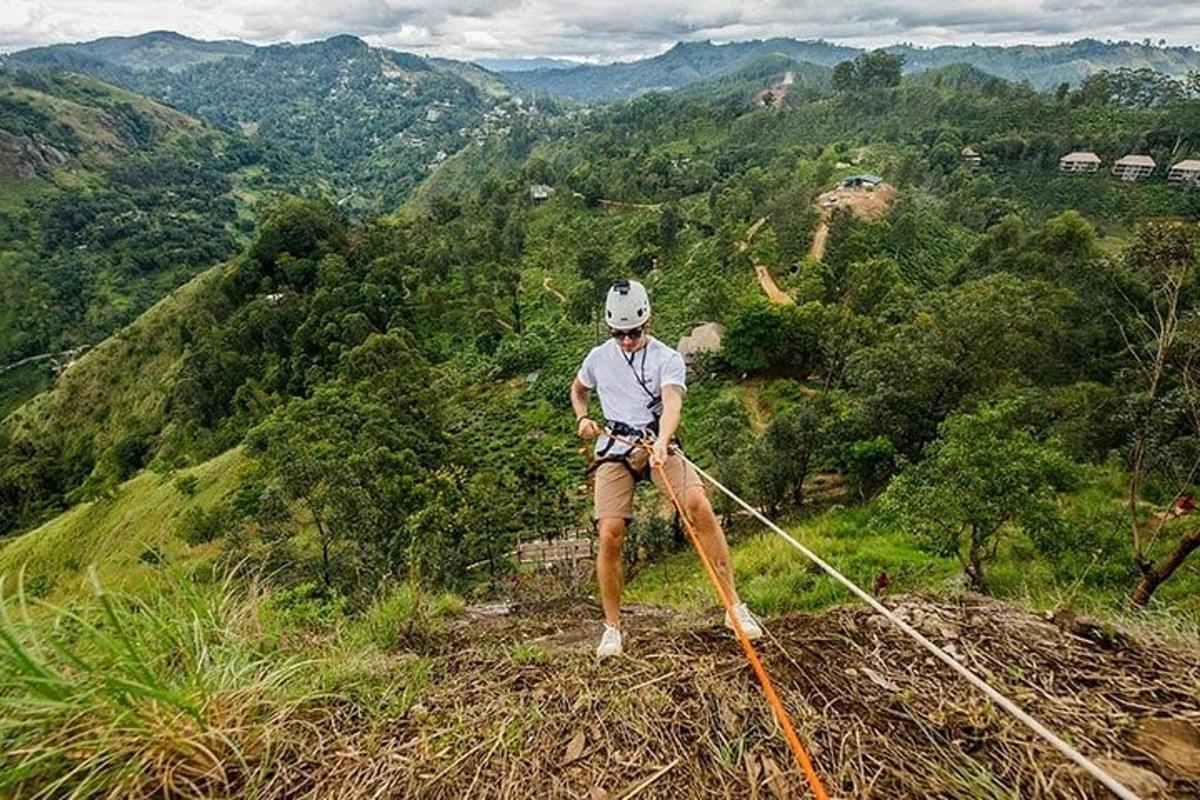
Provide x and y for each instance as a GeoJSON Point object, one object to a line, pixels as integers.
{"type": "Point", "coordinates": [1172, 743]}
{"type": "Point", "coordinates": [1142, 782]}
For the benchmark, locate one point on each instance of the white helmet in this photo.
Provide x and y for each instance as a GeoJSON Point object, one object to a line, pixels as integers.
{"type": "Point", "coordinates": [627, 306]}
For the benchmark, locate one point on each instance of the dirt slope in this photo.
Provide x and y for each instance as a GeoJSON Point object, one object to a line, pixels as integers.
{"type": "Point", "coordinates": [867, 204]}
{"type": "Point", "coordinates": [518, 708]}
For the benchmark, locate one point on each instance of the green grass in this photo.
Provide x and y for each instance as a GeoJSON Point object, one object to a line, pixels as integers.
{"type": "Point", "coordinates": [18, 191]}
{"type": "Point", "coordinates": [773, 577]}
{"type": "Point", "coordinates": [175, 692]}
{"type": "Point", "coordinates": [404, 613]}
{"type": "Point", "coordinates": [130, 538]}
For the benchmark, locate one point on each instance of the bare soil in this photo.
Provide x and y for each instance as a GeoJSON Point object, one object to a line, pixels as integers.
{"type": "Point", "coordinates": [866, 204]}
{"type": "Point", "coordinates": [775, 95]}
{"type": "Point", "coordinates": [518, 708]}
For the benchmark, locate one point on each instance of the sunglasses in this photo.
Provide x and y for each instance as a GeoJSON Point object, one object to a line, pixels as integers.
{"type": "Point", "coordinates": [633, 334]}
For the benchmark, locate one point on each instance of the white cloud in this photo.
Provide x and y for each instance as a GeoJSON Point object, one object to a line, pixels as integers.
{"type": "Point", "coordinates": [599, 30]}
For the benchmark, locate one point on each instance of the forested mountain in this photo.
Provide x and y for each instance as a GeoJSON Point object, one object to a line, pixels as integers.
{"type": "Point", "coordinates": [361, 125]}
{"type": "Point", "coordinates": [491, 300]}
{"type": "Point", "coordinates": [683, 64]}
{"type": "Point", "coordinates": [1043, 66]}
{"type": "Point", "coordinates": [109, 201]}
{"type": "Point", "coordinates": [524, 64]}
{"type": "Point", "coordinates": [1046, 66]}
{"type": "Point", "coordinates": [154, 50]}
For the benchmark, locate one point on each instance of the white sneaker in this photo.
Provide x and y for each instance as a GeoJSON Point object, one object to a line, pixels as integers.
{"type": "Point", "coordinates": [747, 620]}
{"type": "Point", "coordinates": [610, 642]}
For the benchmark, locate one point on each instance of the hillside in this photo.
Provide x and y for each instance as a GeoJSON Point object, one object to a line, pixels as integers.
{"type": "Point", "coordinates": [357, 124]}
{"type": "Point", "coordinates": [142, 529]}
{"type": "Point", "coordinates": [309, 480]}
{"type": "Point", "coordinates": [1042, 66]}
{"type": "Point", "coordinates": [111, 200]}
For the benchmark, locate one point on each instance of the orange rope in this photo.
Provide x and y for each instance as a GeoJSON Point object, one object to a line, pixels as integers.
{"type": "Point", "coordinates": [781, 715]}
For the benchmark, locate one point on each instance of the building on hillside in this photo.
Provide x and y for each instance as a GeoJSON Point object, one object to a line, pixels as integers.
{"type": "Point", "coordinates": [863, 181]}
{"type": "Point", "coordinates": [1187, 171]}
{"type": "Point", "coordinates": [971, 158]}
{"type": "Point", "coordinates": [1133, 167]}
{"type": "Point", "coordinates": [704, 338]}
{"type": "Point", "coordinates": [1079, 161]}
{"type": "Point", "coordinates": [539, 192]}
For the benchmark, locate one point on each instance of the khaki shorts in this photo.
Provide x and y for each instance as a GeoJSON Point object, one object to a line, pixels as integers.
{"type": "Point", "coordinates": [613, 493]}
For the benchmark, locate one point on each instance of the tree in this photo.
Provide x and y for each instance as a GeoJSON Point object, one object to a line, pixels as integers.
{"type": "Point", "coordinates": [785, 338]}
{"type": "Point", "coordinates": [845, 76]}
{"type": "Point", "coordinates": [304, 229]}
{"type": "Point", "coordinates": [790, 444]}
{"type": "Point", "coordinates": [978, 479]}
{"type": "Point", "coordinates": [1127, 87]}
{"type": "Point", "coordinates": [962, 342]}
{"type": "Point", "coordinates": [1163, 342]}
{"type": "Point", "coordinates": [356, 453]}
{"type": "Point", "coordinates": [669, 225]}
{"type": "Point", "coordinates": [872, 70]}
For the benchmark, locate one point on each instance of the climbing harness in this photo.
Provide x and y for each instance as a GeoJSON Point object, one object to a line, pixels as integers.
{"type": "Point", "coordinates": [1086, 764]}
{"type": "Point", "coordinates": [615, 432]}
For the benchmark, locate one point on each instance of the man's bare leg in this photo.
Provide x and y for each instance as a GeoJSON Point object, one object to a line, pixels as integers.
{"type": "Point", "coordinates": [712, 538]}
{"type": "Point", "coordinates": [608, 568]}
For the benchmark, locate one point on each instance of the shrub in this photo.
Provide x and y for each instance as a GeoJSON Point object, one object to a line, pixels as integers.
{"type": "Point", "coordinates": [201, 526]}
{"type": "Point", "coordinates": [405, 613]}
{"type": "Point", "coordinates": [186, 485]}
{"type": "Point", "coordinates": [979, 478]}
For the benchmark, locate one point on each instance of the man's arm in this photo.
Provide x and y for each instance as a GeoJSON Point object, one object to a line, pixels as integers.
{"type": "Point", "coordinates": [579, 403]}
{"type": "Point", "coordinates": [672, 399]}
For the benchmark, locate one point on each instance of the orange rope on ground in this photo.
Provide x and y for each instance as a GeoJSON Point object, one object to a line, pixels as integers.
{"type": "Point", "coordinates": [781, 715]}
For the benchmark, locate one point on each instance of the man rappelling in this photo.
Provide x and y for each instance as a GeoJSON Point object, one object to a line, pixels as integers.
{"type": "Point", "coordinates": [641, 383]}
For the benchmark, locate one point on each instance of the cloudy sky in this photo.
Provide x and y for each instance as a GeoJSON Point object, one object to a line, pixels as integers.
{"type": "Point", "coordinates": [600, 30]}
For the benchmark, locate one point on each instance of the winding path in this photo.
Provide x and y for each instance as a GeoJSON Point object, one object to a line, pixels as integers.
{"type": "Point", "coordinates": [562, 298]}
{"type": "Point", "coordinates": [769, 287]}
{"type": "Point", "coordinates": [69, 355]}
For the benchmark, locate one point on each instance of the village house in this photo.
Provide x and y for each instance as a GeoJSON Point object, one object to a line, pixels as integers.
{"type": "Point", "coordinates": [865, 181]}
{"type": "Point", "coordinates": [1133, 167]}
{"type": "Point", "coordinates": [1187, 171]}
{"type": "Point", "coordinates": [1079, 161]}
{"type": "Point", "coordinates": [539, 192]}
{"type": "Point", "coordinates": [971, 158]}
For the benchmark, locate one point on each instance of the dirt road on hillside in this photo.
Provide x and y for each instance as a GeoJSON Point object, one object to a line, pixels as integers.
{"type": "Point", "coordinates": [769, 287]}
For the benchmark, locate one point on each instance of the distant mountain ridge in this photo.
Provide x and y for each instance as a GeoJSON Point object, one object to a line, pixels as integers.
{"type": "Point", "coordinates": [1044, 66]}
{"type": "Point", "coordinates": [1047, 66]}
{"type": "Point", "coordinates": [683, 64]}
{"type": "Point", "coordinates": [146, 51]}
{"type": "Point", "coordinates": [525, 64]}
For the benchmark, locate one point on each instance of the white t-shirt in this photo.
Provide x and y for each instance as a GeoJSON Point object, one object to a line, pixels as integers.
{"type": "Point", "coordinates": [629, 384]}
